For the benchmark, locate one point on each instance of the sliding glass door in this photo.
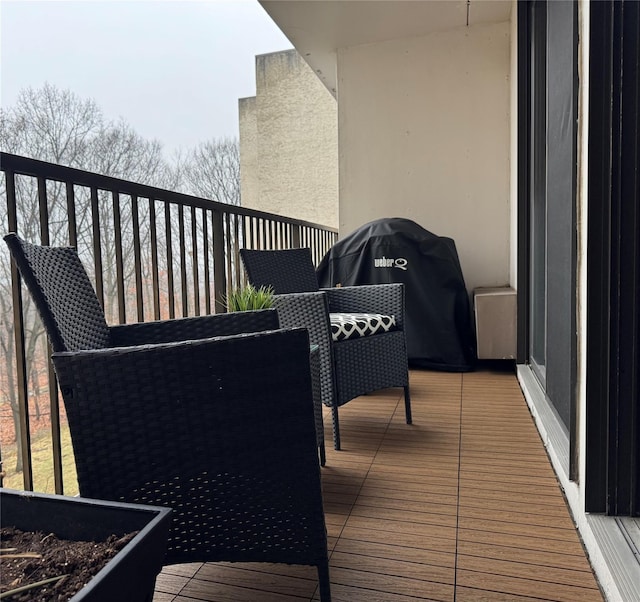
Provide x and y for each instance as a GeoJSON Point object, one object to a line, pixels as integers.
{"type": "Point", "coordinates": [548, 73]}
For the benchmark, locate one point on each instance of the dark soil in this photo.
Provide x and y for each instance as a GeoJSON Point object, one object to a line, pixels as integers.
{"type": "Point", "coordinates": [78, 560]}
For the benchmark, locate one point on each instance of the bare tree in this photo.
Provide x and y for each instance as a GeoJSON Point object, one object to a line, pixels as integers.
{"type": "Point", "coordinates": [50, 124]}
{"type": "Point", "coordinates": [212, 171]}
{"type": "Point", "coordinates": [58, 126]}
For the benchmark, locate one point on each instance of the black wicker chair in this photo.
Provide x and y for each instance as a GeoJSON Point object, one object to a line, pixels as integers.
{"type": "Point", "coordinates": [190, 414]}
{"type": "Point", "coordinates": [350, 367]}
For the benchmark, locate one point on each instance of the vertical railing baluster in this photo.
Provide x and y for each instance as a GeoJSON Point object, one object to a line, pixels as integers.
{"type": "Point", "coordinates": [195, 261]}
{"type": "Point", "coordinates": [295, 243]}
{"type": "Point", "coordinates": [56, 441]}
{"type": "Point", "coordinates": [183, 262]}
{"type": "Point", "coordinates": [230, 240]}
{"type": "Point", "coordinates": [137, 257]}
{"type": "Point", "coordinates": [206, 265]}
{"type": "Point", "coordinates": [97, 247]}
{"type": "Point", "coordinates": [72, 235]}
{"type": "Point", "coordinates": [236, 250]}
{"type": "Point", "coordinates": [54, 400]}
{"type": "Point", "coordinates": [252, 233]}
{"type": "Point", "coordinates": [43, 211]}
{"type": "Point", "coordinates": [169, 243]}
{"type": "Point", "coordinates": [241, 243]}
{"type": "Point", "coordinates": [24, 426]}
{"type": "Point", "coordinates": [219, 276]}
{"type": "Point", "coordinates": [244, 226]}
{"type": "Point", "coordinates": [155, 277]}
{"type": "Point", "coordinates": [72, 227]}
{"type": "Point", "coordinates": [117, 231]}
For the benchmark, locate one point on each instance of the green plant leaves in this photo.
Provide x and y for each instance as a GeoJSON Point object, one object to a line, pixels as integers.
{"type": "Point", "coordinates": [249, 298]}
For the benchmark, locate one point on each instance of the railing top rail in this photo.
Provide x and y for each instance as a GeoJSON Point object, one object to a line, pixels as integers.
{"type": "Point", "coordinates": [35, 168]}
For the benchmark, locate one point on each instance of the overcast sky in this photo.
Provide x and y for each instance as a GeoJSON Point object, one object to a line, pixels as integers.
{"type": "Point", "coordinates": [174, 70]}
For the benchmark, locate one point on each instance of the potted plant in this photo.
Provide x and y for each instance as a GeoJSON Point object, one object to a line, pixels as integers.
{"type": "Point", "coordinates": [249, 298]}
{"type": "Point", "coordinates": [128, 576]}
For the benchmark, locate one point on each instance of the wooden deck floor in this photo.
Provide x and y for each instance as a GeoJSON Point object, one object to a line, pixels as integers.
{"type": "Point", "coordinates": [462, 506]}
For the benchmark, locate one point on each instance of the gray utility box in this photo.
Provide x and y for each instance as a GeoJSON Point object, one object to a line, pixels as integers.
{"type": "Point", "coordinates": [495, 315]}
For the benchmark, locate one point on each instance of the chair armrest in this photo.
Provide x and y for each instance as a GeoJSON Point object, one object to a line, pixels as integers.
{"type": "Point", "coordinates": [385, 299]}
{"type": "Point", "coordinates": [305, 310]}
{"type": "Point", "coordinates": [185, 329]}
{"type": "Point", "coordinates": [311, 311]}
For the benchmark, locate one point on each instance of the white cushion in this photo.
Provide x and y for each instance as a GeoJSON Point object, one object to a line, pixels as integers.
{"type": "Point", "coordinates": [350, 326]}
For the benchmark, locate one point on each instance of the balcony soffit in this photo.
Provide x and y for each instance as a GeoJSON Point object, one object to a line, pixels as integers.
{"type": "Point", "coordinates": [318, 28]}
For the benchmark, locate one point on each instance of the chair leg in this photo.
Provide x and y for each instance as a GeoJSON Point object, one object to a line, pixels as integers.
{"type": "Point", "coordinates": [407, 404]}
{"type": "Point", "coordinates": [323, 454]}
{"type": "Point", "coordinates": [336, 428]}
{"type": "Point", "coordinates": [324, 581]}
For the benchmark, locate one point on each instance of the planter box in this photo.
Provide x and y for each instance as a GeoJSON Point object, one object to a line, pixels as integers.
{"type": "Point", "coordinates": [130, 576]}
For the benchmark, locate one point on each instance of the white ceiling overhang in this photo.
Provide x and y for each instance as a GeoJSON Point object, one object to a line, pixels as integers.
{"type": "Point", "coordinates": [318, 28]}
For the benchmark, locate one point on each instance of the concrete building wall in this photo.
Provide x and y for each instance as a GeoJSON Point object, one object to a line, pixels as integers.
{"type": "Point", "coordinates": [289, 142]}
{"type": "Point", "coordinates": [249, 188]}
{"type": "Point", "coordinates": [424, 127]}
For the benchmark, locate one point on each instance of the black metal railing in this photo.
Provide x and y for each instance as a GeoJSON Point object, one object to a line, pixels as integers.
{"type": "Point", "coordinates": [153, 254]}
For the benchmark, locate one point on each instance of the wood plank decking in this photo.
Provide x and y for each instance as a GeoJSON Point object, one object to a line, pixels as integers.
{"type": "Point", "coordinates": [462, 506]}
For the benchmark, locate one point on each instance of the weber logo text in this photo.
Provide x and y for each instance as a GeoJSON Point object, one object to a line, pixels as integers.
{"type": "Point", "coordinates": [388, 262]}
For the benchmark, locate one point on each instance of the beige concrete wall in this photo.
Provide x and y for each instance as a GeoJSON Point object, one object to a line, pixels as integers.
{"type": "Point", "coordinates": [289, 142]}
{"type": "Point", "coordinates": [424, 133]}
{"type": "Point", "coordinates": [249, 188]}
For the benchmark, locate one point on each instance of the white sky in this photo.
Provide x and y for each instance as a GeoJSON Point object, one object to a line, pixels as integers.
{"type": "Point", "coordinates": [174, 70]}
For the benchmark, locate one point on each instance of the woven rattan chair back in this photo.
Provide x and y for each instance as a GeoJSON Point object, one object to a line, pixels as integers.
{"type": "Point", "coordinates": [63, 295]}
{"type": "Point", "coordinates": [286, 270]}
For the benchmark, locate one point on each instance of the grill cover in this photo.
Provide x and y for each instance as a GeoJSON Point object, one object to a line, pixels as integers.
{"type": "Point", "coordinates": [438, 327]}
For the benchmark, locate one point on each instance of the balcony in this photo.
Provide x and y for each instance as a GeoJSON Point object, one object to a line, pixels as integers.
{"type": "Point", "coordinates": [461, 505]}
